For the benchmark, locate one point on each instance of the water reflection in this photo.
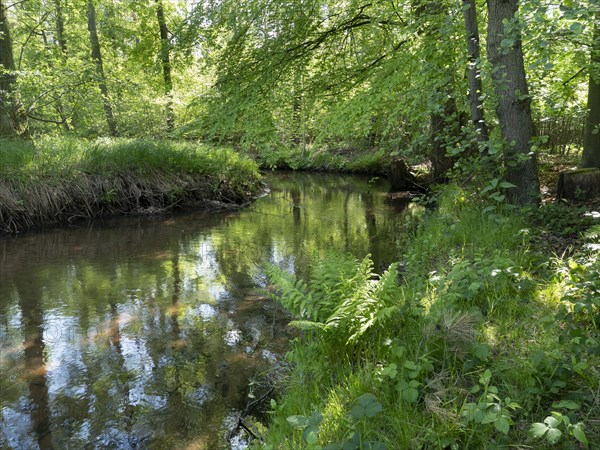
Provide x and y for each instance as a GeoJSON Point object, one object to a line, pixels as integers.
{"type": "Point", "coordinates": [145, 332]}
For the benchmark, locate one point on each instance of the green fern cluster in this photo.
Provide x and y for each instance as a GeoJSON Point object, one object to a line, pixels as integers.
{"type": "Point", "coordinates": [343, 300]}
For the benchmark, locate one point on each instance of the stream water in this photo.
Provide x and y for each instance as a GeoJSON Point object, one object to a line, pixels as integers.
{"type": "Point", "coordinates": [148, 332]}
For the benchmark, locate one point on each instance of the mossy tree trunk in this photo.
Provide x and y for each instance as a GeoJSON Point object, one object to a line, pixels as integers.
{"type": "Point", "coordinates": [13, 117]}
{"type": "Point", "coordinates": [505, 52]}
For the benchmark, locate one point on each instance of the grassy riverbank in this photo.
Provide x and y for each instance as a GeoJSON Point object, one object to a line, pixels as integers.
{"type": "Point", "coordinates": [375, 162]}
{"type": "Point", "coordinates": [487, 339]}
{"type": "Point", "coordinates": [56, 180]}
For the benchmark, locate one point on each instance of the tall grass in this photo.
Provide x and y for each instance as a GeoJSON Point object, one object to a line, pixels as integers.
{"type": "Point", "coordinates": [56, 179]}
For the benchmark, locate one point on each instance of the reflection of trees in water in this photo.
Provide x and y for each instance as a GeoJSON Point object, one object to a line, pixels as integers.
{"type": "Point", "coordinates": [30, 298]}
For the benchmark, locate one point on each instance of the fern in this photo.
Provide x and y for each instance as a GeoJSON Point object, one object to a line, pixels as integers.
{"type": "Point", "coordinates": [342, 301]}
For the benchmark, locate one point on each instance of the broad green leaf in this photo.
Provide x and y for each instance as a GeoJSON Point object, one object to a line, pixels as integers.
{"type": "Point", "coordinates": [579, 434]}
{"type": "Point", "coordinates": [553, 435]}
{"type": "Point", "coordinates": [373, 409]}
{"type": "Point", "coordinates": [410, 395]}
{"type": "Point", "coordinates": [357, 411]}
{"type": "Point", "coordinates": [552, 422]}
{"type": "Point", "coordinates": [311, 434]}
{"type": "Point", "coordinates": [298, 421]}
{"type": "Point", "coordinates": [502, 425]}
{"type": "Point", "coordinates": [538, 430]}
{"type": "Point", "coordinates": [315, 418]}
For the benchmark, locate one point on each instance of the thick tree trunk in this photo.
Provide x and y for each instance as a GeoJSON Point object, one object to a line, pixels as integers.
{"type": "Point", "coordinates": [97, 57]}
{"type": "Point", "coordinates": [165, 57]}
{"type": "Point", "coordinates": [13, 117]}
{"type": "Point", "coordinates": [591, 144]}
{"type": "Point", "coordinates": [514, 104]}
{"type": "Point", "coordinates": [475, 85]}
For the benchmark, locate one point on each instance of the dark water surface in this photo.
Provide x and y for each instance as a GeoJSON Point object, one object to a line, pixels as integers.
{"type": "Point", "coordinates": [148, 332]}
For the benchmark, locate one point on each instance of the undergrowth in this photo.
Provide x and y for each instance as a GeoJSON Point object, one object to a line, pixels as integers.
{"type": "Point", "coordinates": [296, 158]}
{"type": "Point", "coordinates": [57, 179]}
{"type": "Point", "coordinates": [474, 340]}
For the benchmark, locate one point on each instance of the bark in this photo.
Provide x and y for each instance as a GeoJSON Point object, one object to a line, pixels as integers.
{"type": "Point", "coordinates": [13, 117]}
{"type": "Point", "coordinates": [400, 177]}
{"type": "Point", "coordinates": [591, 144]}
{"type": "Point", "coordinates": [475, 85]}
{"type": "Point", "coordinates": [165, 57]}
{"type": "Point", "coordinates": [505, 53]}
{"type": "Point", "coordinates": [97, 58]}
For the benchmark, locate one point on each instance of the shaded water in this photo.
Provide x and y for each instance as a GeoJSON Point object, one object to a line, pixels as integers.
{"type": "Point", "coordinates": [147, 332]}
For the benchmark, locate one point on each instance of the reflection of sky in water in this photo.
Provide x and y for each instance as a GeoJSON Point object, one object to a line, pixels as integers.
{"type": "Point", "coordinates": [157, 334]}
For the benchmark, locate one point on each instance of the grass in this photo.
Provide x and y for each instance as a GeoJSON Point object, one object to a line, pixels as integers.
{"type": "Point", "coordinates": [486, 342]}
{"type": "Point", "coordinates": [295, 158]}
{"type": "Point", "coordinates": [58, 179]}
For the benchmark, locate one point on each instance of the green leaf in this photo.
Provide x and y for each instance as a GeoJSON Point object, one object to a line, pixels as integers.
{"type": "Point", "coordinates": [357, 411]}
{"type": "Point", "coordinates": [315, 418]}
{"type": "Point", "coordinates": [298, 421]}
{"type": "Point", "coordinates": [552, 422]}
{"type": "Point", "coordinates": [311, 435]}
{"type": "Point", "coordinates": [538, 430]}
{"type": "Point", "coordinates": [553, 435]}
{"type": "Point", "coordinates": [366, 399]}
{"type": "Point", "coordinates": [507, 185]}
{"type": "Point", "coordinates": [410, 365]}
{"type": "Point", "coordinates": [568, 404]}
{"type": "Point", "coordinates": [373, 409]}
{"type": "Point", "coordinates": [334, 446]}
{"type": "Point", "coordinates": [410, 395]}
{"type": "Point", "coordinates": [502, 425]}
{"type": "Point", "coordinates": [579, 434]}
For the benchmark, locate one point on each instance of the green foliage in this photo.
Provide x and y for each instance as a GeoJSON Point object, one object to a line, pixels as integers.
{"type": "Point", "coordinates": [488, 337]}
{"type": "Point", "coordinates": [489, 409]}
{"type": "Point", "coordinates": [343, 300]}
{"type": "Point", "coordinates": [555, 427]}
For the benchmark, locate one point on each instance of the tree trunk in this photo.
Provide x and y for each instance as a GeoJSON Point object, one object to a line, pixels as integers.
{"type": "Point", "coordinates": [591, 144]}
{"type": "Point", "coordinates": [475, 85]}
{"type": "Point", "coordinates": [13, 117]}
{"type": "Point", "coordinates": [165, 57]}
{"type": "Point", "coordinates": [514, 104]}
{"type": "Point", "coordinates": [97, 57]}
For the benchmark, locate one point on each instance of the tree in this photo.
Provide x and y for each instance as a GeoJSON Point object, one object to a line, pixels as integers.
{"type": "Point", "coordinates": [591, 147]}
{"type": "Point", "coordinates": [513, 108]}
{"type": "Point", "coordinates": [97, 58]}
{"type": "Point", "coordinates": [13, 119]}
{"type": "Point", "coordinates": [475, 84]}
{"type": "Point", "coordinates": [165, 48]}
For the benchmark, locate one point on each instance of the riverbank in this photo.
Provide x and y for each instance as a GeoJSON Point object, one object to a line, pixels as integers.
{"type": "Point", "coordinates": [486, 339]}
{"type": "Point", "coordinates": [58, 180]}
{"type": "Point", "coordinates": [375, 162]}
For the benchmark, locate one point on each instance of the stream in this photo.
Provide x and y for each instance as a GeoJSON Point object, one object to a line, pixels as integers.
{"type": "Point", "coordinates": [149, 332]}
